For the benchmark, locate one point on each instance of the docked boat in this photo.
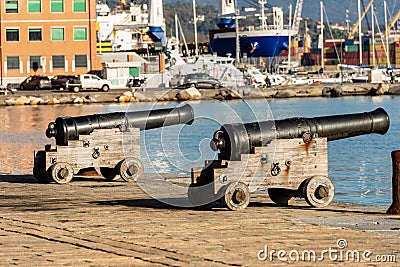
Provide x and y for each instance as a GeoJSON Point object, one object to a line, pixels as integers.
{"type": "Point", "coordinates": [221, 68]}
{"type": "Point", "coordinates": [261, 41]}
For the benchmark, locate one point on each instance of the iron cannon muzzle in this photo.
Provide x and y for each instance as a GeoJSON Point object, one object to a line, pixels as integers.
{"type": "Point", "coordinates": [232, 140]}
{"type": "Point", "coordinates": [69, 128]}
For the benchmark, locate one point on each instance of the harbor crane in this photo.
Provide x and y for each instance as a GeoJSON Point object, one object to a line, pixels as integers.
{"type": "Point", "coordinates": [392, 23]}
{"type": "Point", "coordinates": [297, 15]}
{"type": "Point", "coordinates": [355, 27]}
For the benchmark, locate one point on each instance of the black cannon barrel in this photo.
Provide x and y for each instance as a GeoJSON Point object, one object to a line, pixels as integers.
{"type": "Point", "coordinates": [235, 139]}
{"type": "Point", "coordinates": [69, 128]}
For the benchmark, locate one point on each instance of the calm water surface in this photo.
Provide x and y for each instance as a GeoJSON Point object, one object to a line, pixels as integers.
{"type": "Point", "coordinates": [360, 167]}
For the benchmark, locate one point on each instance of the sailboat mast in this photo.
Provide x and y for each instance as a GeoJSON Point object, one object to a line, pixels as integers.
{"type": "Point", "coordinates": [359, 32]}
{"type": "Point", "coordinates": [195, 28]}
{"type": "Point", "coordinates": [322, 35]}
{"type": "Point", "coordinates": [373, 35]}
{"type": "Point", "coordinates": [237, 33]}
{"type": "Point", "coordinates": [290, 39]}
{"type": "Point", "coordinates": [176, 28]}
{"type": "Point", "coordinates": [386, 35]}
{"type": "Point", "coordinates": [183, 36]}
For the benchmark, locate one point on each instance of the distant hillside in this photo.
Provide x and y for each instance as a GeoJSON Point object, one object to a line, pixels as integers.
{"type": "Point", "coordinates": [311, 8]}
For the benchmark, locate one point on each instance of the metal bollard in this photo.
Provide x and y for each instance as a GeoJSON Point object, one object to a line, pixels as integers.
{"type": "Point", "coordinates": [395, 207]}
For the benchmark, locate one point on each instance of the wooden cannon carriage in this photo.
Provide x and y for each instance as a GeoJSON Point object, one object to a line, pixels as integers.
{"type": "Point", "coordinates": [109, 143]}
{"type": "Point", "coordinates": [113, 152]}
{"type": "Point", "coordinates": [287, 157]}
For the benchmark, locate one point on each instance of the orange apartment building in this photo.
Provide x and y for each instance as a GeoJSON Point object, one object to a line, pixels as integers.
{"type": "Point", "coordinates": [49, 36]}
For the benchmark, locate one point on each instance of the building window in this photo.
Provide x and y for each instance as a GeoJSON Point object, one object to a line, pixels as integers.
{"type": "Point", "coordinates": [13, 63]}
{"type": "Point", "coordinates": [57, 6]}
{"type": "Point", "coordinates": [58, 62]}
{"type": "Point", "coordinates": [79, 5]}
{"type": "Point", "coordinates": [34, 6]}
{"type": "Point", "coordinates": [80, 34]}
{"type": "Point", "coordinates": [81, 61]}
{"type": "Point", "coordinates": [12, 6]}
{"type": "Point", "coordinates": [12, 35]}
{"type": "Point", "coordinates": [35, 60]}
{"type": "Point", "coordinates": [35, 34]}
{"type": "Point", "coordinates": [57, 34]}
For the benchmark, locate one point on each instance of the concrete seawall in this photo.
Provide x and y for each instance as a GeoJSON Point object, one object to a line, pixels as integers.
{"type": "Point", "coordinates": [151, 95]}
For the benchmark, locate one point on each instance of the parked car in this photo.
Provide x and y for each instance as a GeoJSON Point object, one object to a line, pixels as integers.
{"type": "Point", "coordinates": [60, 81]}
{"type": "Point", "coordinates": [88, 81]}
{"type": "Point", "coordinates": [201, 79]}
{"type": "Point", "coordinates": [35, 83]}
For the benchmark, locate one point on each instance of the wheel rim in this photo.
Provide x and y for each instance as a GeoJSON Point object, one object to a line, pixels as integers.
{"type": "Point", "coordinates": [131, 169]}
{"type": "Point", "coordinates": [318, 191]}
{"type": "Point", "coordinates": [237, 196]}
{"type": "Point", "coordinates": [62, 173]}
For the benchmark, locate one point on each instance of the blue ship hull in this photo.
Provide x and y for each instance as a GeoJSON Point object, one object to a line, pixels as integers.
{"type": "Point", "coordinates": [253, 46]}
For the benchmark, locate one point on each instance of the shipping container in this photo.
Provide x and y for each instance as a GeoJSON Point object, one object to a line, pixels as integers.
{"type": "Point", "coordinates": [315, 51]}
{"type": "Point", "coordinates": [351, 48]}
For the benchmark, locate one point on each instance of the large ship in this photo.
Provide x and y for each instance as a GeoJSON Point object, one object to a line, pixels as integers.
{"type": "Point", "coordinates": [265, 40]}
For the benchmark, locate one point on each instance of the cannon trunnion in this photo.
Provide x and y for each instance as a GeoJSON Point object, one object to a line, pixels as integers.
{"type": "Point", "coordinates": [287, 157]}
{"type": "Point", "coordinates": [109, 143]}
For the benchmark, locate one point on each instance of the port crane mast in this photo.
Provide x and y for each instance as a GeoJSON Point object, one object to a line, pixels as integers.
{"type": "Point", "coordinates": [355, 27]}
{"type": "Point", "coordinates": [297, 16]}
{"type": "Point", "coordinates": [393, 22]}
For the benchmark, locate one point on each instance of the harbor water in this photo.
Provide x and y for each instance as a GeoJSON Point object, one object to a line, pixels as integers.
{"type": "Point", "coordinates": [360, 167]}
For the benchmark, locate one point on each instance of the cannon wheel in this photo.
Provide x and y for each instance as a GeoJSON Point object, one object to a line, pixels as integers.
{"type": "Point", "coordinates": [131, 169]}
{"type": "Point", "coordinates": [280, 196]}
{"type": "Point", "coordinates": [109, 173]}
{"type": "Point", "coordinates": [61, 172]}
{"type": "Point", "coordinates": [318, 191]}
{"type": "Point", "coordinates": [39, 169]}
{"type": "Point", "coordinates": [237, 196]}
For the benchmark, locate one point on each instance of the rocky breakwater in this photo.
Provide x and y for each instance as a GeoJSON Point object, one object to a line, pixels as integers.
{"type": "Point", "coordinates": [200, 94]}
{"type": "Point", "coordinates": [52, 98]}
{"type": "Point", "coordinates": [332, 90]}
{"type": "Point", "coordinates": [134, 97]}
{"type": "Point", "coordinates": [33, 100]}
